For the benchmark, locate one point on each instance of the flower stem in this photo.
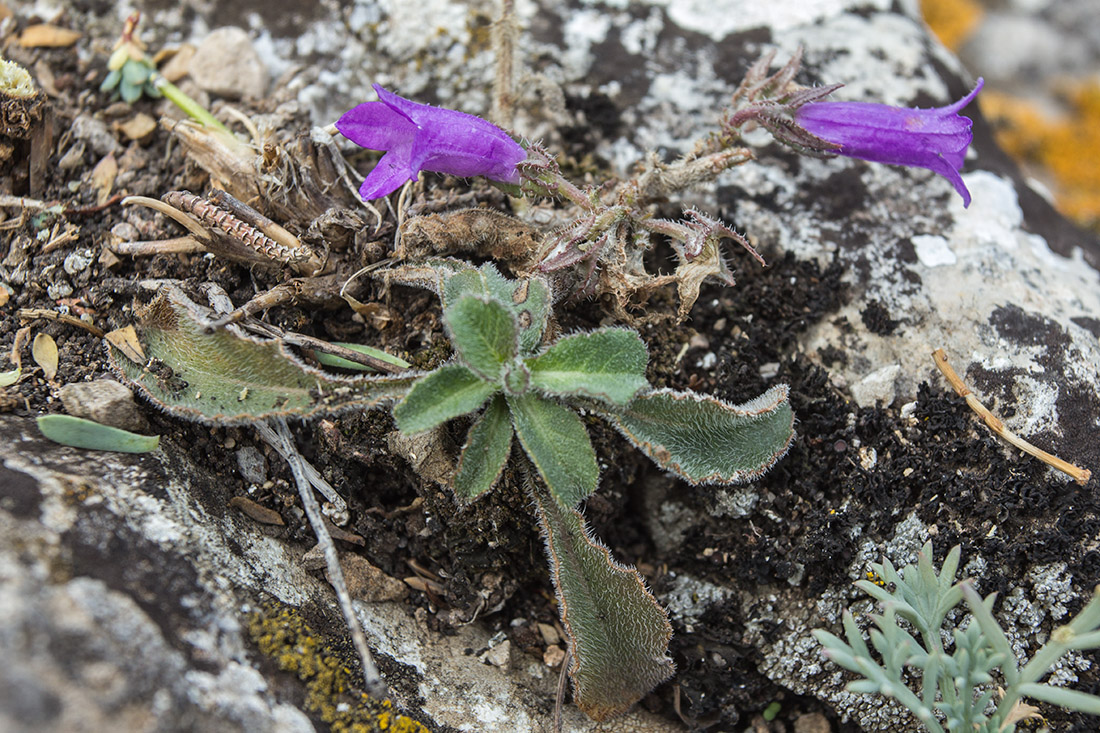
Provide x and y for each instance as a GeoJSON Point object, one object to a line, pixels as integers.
{"type": "Point", "coordinates": [191, 108]}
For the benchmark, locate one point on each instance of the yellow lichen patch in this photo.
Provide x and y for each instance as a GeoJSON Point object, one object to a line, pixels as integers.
{"type": "Point", "coordinates": [282, 635]}
{"type": "Point", "coordinates": [1063, 150]}
{"type": "Point", "coordinates": [951, 20]}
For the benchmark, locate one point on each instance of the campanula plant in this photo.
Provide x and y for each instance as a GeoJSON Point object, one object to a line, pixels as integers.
{"type": "Point", "coordinates": [520, 387]}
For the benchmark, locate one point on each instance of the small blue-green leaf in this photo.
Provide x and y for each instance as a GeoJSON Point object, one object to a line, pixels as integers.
{"type": "Point", "coordinates": [111, 81]}
{"type": "Point", "coordinates": [80, 433]}
{"type": "Point", "coordinates": [706, 440]}
{"type": "Point", "coordinates": [618, 633]}
{"type": "Point", "coordinates": [130, 92]}
{"type": "Point", "coordinates": [446, 393]}
{"type": "Point", "coordinates": [557, 443]}
{"type": "Point", "coordinates": [528, 299]}
{"type": "Point", "coordinates": [7, 379]}
{"type": "Point", "coordinates": [1070, 699]}
{"type": "Point", "coordinates": [483, 333]}
{"type": "Point", "coordinates": [608, 365]}
{"type": "Point", "coordinates": [135, 72]}
{"type": "Point", "coordinates": [337, 361]}
{"type": "Point", "coordinates": [486, 451]}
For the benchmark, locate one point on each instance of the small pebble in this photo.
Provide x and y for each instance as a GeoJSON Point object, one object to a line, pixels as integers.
{"type": "Point", "coordinates": [500, 655]}
{"type": "Point", "coordinates": [95, 133]}
{"type": "Point", "coordinates": [812, 723]}
{"type": "Point", "coordinates": [549, 634]}
{"type": "Point", "coordinates": [227, 64]}
{"type": "Point", "coordinates": [553, 656]}
{"type": "Point", "coordinates": [60, 289]}
{"type": "Point", "coordinates": [769, 370]}
{"type": "Point", "coordinates": [252, 465]}
{"type": "Point", "coordinates": [103, 401]}
{"type": "Point", "coordinates": [78, 261]}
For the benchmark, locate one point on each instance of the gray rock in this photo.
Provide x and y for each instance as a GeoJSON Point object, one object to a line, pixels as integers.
{"type": "Point", "coordinates": [226, 64]}
{"type": "Point", "coordinates": [103, 401]}
{"type": "Point", "coordinates": [95, 133]}
{"type": "Point", "coordinates": [252, 465]}
{"type": "Point", "coordinates": [877, 387]}
{"type": "Point", "coordinates": [127, 607]}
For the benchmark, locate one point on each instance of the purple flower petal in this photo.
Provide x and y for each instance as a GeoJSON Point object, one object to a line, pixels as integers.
{"type": "Point", "coordinates": [390, 173]}
{"type": "Point", "coordinates": [376, 126]}
{"type": "Point", "coordinates": [421, 137]}
{"type": "Point", "coordinates": [936, 139]}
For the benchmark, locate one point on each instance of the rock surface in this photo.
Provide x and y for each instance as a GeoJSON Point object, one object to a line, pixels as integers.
{"type": "Point", "coordinates": [226, 63]}
{"type": "Point", "coordinates": [127, 585]}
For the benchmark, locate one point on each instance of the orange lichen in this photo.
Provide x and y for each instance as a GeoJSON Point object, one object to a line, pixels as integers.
{"type": "Point", "coordinates": [1064, 151]}
{"type": "Point", "coordinates": [952, 20]}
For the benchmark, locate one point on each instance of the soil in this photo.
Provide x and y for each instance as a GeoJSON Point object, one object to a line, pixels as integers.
{"type": "Point", "coordinates": [488, 558]}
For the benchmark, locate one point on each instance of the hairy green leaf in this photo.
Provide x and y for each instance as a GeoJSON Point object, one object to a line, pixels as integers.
{"type": "Point", "coordinates": [608, 365]}
{"type": "Point", "coordinates": [618, 634]}
{"type": "Point", "coordinates": [486, 451]}
{"type": "Point", "coordinates": [483, 333]}
{"type": "Point", "coordinates": [557, 443]}
{"type": "Point", "coordinates": [446, 393]}
{"type": "Point", "coordinates": [528, 300]}
{"type": "Point", "coordinates": [706, 440]}
{"type": "Point", "coordinates": [81, 433]}
{"type": "Point", "coordinates": [224, 378]}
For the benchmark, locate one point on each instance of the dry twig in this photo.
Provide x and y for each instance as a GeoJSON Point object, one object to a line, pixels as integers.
{"type": "Point", "coordinates": [1080, 475]}
{"type": "Point", "coordinates": [305, 476]}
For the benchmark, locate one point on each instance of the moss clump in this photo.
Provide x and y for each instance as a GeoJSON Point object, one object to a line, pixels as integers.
{"type": "Point", "coordinates": [283, 636]}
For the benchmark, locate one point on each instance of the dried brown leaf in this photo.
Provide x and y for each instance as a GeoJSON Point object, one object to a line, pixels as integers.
{"type": "Point", "coordinates": [257, 512]}
{"type": "Point", "coordinates": [44, 352]}
{"type": "Point", "coordinates": [126, 340]}
{"type": "Point", "coordinates": [138, 127]}
{"type": "Point", "coordinates": [103, 178]}
{"type": "Point", "coordinates": [44, 35]}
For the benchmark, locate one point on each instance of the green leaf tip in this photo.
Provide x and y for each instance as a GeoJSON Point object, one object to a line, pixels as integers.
{"type": "Point", "coordinates": [80, 433]}
{"type": "Point", "coordinates": [556, 441]}
{"type": "Point", "coordinates": [528, 299]}
{"type": "Point", "coordinates": [483, 334]}
{"type": "Point", "coordinates": [446, 393]}
{"type": "Point", "coordinates": [332, 360]}
{"type": "Point", "coordinates": [705, 440]}
{"type": "Point", "coordinates": [7, 379]}
{"type": "Point", "coordinates": [618, 633]}
{"type": "Point", "coordinates": [607, 365]}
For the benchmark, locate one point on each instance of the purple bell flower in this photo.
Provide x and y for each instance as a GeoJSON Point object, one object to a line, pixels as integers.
{"type": "Point", "coordinates": [419, 137]}
{"type": "Point", "coordinates": [935, 139]}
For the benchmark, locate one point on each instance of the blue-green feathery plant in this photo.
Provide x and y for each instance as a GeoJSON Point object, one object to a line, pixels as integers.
{"type": "Point", "coordinates": [972, 684]}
